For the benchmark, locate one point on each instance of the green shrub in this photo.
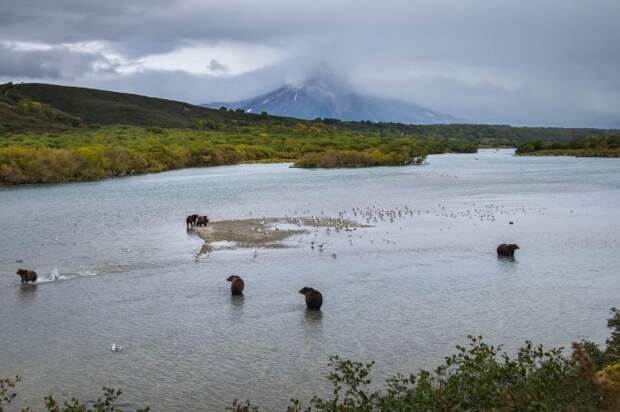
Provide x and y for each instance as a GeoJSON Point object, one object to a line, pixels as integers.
{"type": "Point", "coordinates": [93, 154]}
{"type": "Point", "coordinates": [478, 377]}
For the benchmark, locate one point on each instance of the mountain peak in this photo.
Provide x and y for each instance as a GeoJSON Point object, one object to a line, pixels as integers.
{"type": "Point", "coordinates": [324, 95]}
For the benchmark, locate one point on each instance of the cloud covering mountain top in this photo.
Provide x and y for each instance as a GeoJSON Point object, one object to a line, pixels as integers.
{"type": "Point", "coordinates": [546, 62]}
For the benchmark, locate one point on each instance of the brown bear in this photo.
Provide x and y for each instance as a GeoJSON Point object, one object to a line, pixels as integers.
{"type": "Point", "coordinates": [202, 221]}
{"type": "Point", "coordinates": [236, 285]}
{"type": "Point", "coordinates": [27, 275]}
{"type": "Point", "coordinates": [190, 220]}
{"type": "Point", "coordinates": [314, 299]}
{"type": "Point", "coordinates": [507, 250]}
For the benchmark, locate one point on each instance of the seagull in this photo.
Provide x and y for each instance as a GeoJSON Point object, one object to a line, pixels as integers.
{"type": "Point", "coordinates": [116, 348]}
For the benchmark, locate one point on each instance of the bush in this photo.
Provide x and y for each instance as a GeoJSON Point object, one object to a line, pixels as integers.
{"type": "Point", "coordinates": [481, 377]}
{"type": "Point", "coordinates": [122, 150]}
{"type": "Point", "coordinates": [104, 404]}
{"type": "Point", "coordinates": [478, 377]}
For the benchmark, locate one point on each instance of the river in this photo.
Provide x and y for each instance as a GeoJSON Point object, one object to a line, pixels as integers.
{"type": "Point", "coordinates": [116, 265]}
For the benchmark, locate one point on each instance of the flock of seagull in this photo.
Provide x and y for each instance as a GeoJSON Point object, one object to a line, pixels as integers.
{"type": "Point", "coordinates": [349, 220]}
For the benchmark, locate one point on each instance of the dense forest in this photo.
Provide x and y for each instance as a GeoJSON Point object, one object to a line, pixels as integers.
{"type": "Point", "coordinates": [595, 146]}
{"type": "Point", "coordinates": [53, 134]}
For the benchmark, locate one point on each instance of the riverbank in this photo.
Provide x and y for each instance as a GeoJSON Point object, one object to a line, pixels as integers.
{"type": "Point", "coordinates": [270, 232]}
{"type": "Point", "coordinates": [574, 152]}
{"type": "Point", "coordinates": [95, 154]}
{"type": "Point", "coordinates": [595, 146]}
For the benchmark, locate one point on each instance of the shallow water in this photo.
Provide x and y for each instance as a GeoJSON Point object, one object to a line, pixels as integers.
{"type": "Point", "coordinates": [116, 266]}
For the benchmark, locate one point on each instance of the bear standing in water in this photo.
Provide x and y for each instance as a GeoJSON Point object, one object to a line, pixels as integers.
{"type": "Point", "coordinates": [236, 285]}
{"type": "Point", "coordinates": [314, 299]}
{"type": "Point", "coordinates": [190, 221]}
{"type": "Point", "coordinates": [507, 250]}
{"type": "Point", "coordinates": [27, 275]}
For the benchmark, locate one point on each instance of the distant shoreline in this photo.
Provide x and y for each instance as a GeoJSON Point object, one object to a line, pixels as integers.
{"type": "Point", "coordinates": [608, 153]}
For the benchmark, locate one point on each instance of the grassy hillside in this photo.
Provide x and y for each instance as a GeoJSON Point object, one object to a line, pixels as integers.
{"type": "Point", "coordinates": [51, 134]}
{"type": "Point", "coordinates": [92, 108]}
{"type": "Point", "coordinates": [81, 107]}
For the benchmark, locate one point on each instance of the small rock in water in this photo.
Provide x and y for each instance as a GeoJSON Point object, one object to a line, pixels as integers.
{"type": "Point", "coordinates": [511, 223]}
{"type": "Point", "coordinates": [19, 260]}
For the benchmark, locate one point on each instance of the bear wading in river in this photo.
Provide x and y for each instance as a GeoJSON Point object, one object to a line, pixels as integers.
{"type": "Point", "coordinates": [507, 250]}
{"type": "Point", "coordinates": [314, 299]}
{"type": "Point", "coordinates": [236, 285]}
{"type": "Point", "coordinates": [27, 275]}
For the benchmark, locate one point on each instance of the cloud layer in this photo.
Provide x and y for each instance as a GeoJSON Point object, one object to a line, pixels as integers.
{"type": "Point", "coordinates": [546, 62]}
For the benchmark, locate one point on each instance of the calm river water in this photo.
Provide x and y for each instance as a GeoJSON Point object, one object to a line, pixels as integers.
{"type": "Point", "coordinates": [116, 266]}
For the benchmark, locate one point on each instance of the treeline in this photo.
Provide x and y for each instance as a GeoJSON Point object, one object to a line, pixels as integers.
{"type": "Point", "coordinates": [124, 150]}
{"type": "Point", "coordinates": [596, 146]}
{"type": "Point", "coordinates": [33, 107]}
{"type": "Point", "coordinates": [396, 152]}
{"type": "Point", "coordinates": [484, 135]}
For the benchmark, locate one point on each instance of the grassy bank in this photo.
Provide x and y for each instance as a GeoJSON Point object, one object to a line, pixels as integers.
{"type": "Point", "coordinates": [574, 152]}
{"type": "Point", "coordinates": [477, 377]}
{"type": "Point", "coordinates": [125, 150]}
{"type": "Point", "coordinates": [596, 146]}
{"type": "Point", "coordinates": [55, 134]}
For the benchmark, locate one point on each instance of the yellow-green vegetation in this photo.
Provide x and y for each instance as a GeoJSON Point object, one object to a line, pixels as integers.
{"type": "Point", "coordinates": [595, 146]}
{"type": "Point", "coordinates": [53, 134]}
{"type": "Point", "coordinates": [92, 154]}
{"type": "Point", "coordinates": [477, 377]}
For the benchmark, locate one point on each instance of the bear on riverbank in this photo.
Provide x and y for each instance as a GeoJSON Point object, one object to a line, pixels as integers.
{"type": "Point", "coordinates": [190, 220]}
{"type": "Point", "coordinates": [202, 221]}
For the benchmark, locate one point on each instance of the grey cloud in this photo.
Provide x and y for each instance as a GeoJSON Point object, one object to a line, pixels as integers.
{"type": "Point", "coordinates": [53, 63]}
{"type": "Point", "coordinates": [526, 62]}
{"type": "Point", "coordinates": [217, 67]}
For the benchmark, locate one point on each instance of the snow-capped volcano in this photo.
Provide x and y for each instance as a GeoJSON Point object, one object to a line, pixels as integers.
{"type": "Point", "coordinates": [325, 98]}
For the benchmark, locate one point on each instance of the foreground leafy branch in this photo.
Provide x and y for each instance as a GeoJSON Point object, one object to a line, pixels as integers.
{"type": "Point", "coordinates": [483, 377]}
{"type": "Point", "coordinates": [103, 404]}
{"type": "Point", "coordinates": [477, 377]}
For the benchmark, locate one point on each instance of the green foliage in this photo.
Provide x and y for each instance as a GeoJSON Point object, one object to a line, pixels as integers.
{"type": "Point", "coordinates": [611, 353]}
{"type": "Point", "coordinates": [480, 377]}
{"type": "Point", "coordinates": [53, 134]}
{"type": "Point", "coordinates": [594, 146]}
{"type": "Point", "coordinates": [125, 150]}
{"type": "Point", "coordinates": [7, 395]}
{"type": "Point", "coordinates": [103, 404]}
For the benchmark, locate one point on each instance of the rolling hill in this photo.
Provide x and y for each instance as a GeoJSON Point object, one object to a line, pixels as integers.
{"type": "Point", "coordinates": [46, 107]}
{"type": "Point", "coordinates": [54, 134]}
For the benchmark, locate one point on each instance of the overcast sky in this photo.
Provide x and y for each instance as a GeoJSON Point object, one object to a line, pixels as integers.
{"type": "Point", "coordinates": [534, 62]}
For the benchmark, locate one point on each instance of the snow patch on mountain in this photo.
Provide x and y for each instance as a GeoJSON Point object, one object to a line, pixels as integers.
{"type": "Point", "coordinates": [326, 98]}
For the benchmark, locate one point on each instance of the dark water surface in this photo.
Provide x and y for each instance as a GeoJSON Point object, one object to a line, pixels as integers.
{"type": "Point", "coordinates": [116, 265]}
